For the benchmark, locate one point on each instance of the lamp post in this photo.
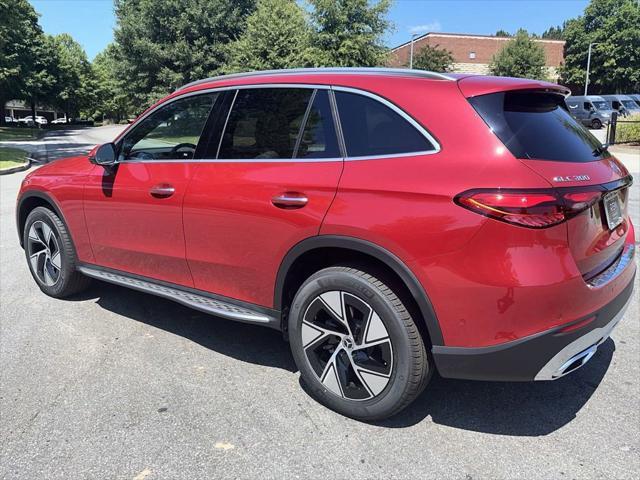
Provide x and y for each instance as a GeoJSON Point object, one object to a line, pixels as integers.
{"type": "Point", "coordinates": [413, 36]}
{"type": "Point", "coordinates": [586, 82]}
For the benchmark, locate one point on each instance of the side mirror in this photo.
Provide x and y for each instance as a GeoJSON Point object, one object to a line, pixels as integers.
{"type": "Point", "coordinates": [105, 155]}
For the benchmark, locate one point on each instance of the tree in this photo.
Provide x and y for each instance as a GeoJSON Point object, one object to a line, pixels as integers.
{"type": "Point", "coordinates": [502, 33]}
{"type": "Point", "coordinates": [166, 43]}
{"type": "Point", "coordinates": [76, 81]}
{"type": "Point", "coordinates": [614, 25]}
{"type": "Point", "coordinates": [20, 37]}
{"type": "Point", "coordinates": [520, 57]}
{"type": "Point", "coordinates": [434, 59]}
{"type": "Point", "coordinates": [277, 36]}
{"type": "Point", "coordinates": [349, 33]}
{"type": "Point", "coordinates": [111, 100]}
{"type": "Point", "coordinates": [553, 33]}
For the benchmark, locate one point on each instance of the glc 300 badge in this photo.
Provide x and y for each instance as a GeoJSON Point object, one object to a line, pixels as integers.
{"type": "Point", "coordinates": [572, 178]}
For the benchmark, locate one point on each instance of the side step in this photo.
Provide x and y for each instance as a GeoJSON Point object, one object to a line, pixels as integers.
{"type": "Point", "coordinates": [197, 301]}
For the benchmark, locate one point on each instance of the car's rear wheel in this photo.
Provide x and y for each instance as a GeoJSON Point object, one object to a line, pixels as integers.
{"type": "Point", "coordinates": [596, 124]}
{"type": "Point", "coordinates": [357, 347]}
{"type": "Point", "coordinates": [50, 254]}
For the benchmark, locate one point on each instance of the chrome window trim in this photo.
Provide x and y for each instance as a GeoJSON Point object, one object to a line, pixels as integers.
{"type": "Point", "coordinates": [423, 131]}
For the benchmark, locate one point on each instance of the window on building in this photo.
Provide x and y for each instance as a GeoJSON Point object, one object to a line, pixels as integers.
{"type": "Point", "coordinates": [472, 55]}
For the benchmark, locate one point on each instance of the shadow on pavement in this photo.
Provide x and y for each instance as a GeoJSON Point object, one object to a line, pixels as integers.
{"type": "Point", "coordinates": [244, 342]}
{"type": "Point", "coordinates": [518, 408]}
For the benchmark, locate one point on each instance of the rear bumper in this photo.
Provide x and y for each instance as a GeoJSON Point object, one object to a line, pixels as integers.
{"type": "Point", "coordinates": [543, 356]}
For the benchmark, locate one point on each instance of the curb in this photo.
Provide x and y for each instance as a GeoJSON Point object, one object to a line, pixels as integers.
{"type": "Point", "coordinates": [20, 168]}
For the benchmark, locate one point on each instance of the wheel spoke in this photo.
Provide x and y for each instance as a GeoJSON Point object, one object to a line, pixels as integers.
{"type": "Point", "coordinates": [56, 260]}
{"type": "Point", "coordinates": [34, 258]}
{"type": "Point", "coordinates": [34, 235]}
{"type": "Point", "coordinates": [48, 279]}
{"type": "Point", "coordinates": [47, 234]}
{"type": "Point", "coordinates": [329, 377]}
{"type": "Point", "coordinates": [334, 304]}
{"type": "Point", "coordinates": [375, 329]}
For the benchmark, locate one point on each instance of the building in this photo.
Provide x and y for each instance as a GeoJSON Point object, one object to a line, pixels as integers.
{"type": "Point", "coordinates": [473, 53]}
{"type": "Point", "coordinates": [19, 109]}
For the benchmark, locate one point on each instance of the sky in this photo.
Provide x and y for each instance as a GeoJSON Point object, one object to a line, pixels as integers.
{"type": "Point", "coordinates": [91, 22]}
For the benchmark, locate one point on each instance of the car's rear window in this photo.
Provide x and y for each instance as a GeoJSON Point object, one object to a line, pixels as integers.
{"type": "Point", "coordinates": [536, 125]}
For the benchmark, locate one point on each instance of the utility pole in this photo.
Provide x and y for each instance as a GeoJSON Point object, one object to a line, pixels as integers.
{"type": "Point", "coordinates": [586, 82]}
{"type": "Point", "coordinates": [413, 36]}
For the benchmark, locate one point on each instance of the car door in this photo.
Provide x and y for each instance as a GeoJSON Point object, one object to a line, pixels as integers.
{"type": "Point", "coordinates": [271, 176]}
{"type": "Point", "coordinates": [134, 210]}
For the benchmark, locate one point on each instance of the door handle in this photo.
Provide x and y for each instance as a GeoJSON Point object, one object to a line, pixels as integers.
{"type": "Point", "coordinates": [162, 190]}
{"type": "Point", "coordinates": [290, 200]}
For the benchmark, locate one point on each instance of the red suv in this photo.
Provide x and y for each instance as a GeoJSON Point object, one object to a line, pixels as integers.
{"type": "Point", "coordinates": [390, 222]}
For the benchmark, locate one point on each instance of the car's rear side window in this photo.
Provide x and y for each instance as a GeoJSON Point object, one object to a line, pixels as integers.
{"type": "Point", "coordinates": [371, 128]}
{"type": "Point", "coordinates": [534, 125]}
{"type": "Point", "coordinates": [319, 138]}
{"type": "Point", "coordinates": [264, 123]}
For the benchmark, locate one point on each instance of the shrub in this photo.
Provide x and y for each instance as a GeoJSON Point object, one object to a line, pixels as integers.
{"type": "Point", "coordinates": [626, 131]}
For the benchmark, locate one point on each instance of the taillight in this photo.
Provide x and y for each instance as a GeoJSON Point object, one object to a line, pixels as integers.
{"type": "Point", "coordinates": [529, 208]}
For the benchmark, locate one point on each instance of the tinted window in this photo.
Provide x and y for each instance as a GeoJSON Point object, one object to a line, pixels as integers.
{"type": "Point", "coordinates": [535, 125]}
{"type": "Point", "coordinates": [171, 132]}
{"type": "Point", "coordinates": [371, 128]}
{"type": "Point", "coordinates": [600, 105]}
{"type": "Point", "coordinates": [319, 135]}
{"type": "Point", "coordinates": [264, 123]}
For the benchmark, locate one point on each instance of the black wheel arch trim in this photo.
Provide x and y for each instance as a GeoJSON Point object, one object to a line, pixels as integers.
{"type": "Point", "coordinates": [47, 198]}
{"type": "Point", "coordinates": [380, 253]}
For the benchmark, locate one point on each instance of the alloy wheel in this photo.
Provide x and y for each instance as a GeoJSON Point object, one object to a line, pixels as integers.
{"type": "Point", "coordinates": [347, 345]}
{"type": "Point", "coordinates": [44, 253]}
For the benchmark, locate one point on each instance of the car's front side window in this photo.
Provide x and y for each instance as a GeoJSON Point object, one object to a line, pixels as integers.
{"type": "Point", "coordinates": [170, 133]}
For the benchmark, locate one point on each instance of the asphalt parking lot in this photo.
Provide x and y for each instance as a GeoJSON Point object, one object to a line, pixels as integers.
{"type": "Point", "coordinates": [119, 384]}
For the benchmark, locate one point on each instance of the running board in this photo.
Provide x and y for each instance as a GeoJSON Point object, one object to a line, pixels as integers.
{"type": "Point", "coordinates": [204, 303]}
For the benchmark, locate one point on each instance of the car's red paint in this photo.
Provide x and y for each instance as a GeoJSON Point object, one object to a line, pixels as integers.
{"type": "Point", "coordinates": [489, 282]}
{"type": "Point", "coordinates": [133, 231]}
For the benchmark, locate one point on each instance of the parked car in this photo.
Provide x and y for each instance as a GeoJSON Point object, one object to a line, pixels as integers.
{"type": "Point", "coordinates": [29, 120]}
{"type": "Point", "coordinates": [58, 121]}
{"type": "Point", "coordinates": [636, 98]}
{"type": "Point", "coordinates": [390, 223]}
{"type": "Point", "coordinates": [624, 104]}
{"type": "Point", "coordinates": [9, 120]}
{"type": "Point", "coordinates": [592, 111]}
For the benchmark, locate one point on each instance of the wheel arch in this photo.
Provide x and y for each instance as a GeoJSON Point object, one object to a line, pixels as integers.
{"type": "Point", "coordinates": [33, 199]}
{"type": "Point", "coordinates": [362, 249]}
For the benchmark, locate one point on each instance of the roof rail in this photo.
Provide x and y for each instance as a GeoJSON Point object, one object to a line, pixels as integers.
{"type": "Point", "coordinates": [405, 72]}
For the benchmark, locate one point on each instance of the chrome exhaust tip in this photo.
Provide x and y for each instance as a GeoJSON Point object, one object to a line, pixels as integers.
{"type": "Point", "coordinates": [575, 362]}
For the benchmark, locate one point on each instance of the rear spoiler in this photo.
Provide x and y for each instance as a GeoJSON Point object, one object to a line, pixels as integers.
{"type": "Point", "coordinates": [483, 85]}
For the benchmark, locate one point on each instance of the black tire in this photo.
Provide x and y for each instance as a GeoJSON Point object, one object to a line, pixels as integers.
{"type": "Point", "coordinates": [596, 124]}
{"type": "Point", "coordinates": [409, 371]}
{"type": "Point", "coordinates": [68, 280]}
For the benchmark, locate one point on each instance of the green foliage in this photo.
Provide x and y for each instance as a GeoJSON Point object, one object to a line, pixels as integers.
{"type": "Point", "coordinates": [502, 33]}
{"type": "Point", "coordinates": [435, 59]}
{"type": "Point", "coordinates": [22, 48]}
{"type": "Point", "coordinates": [554, 33]}
{"type": "Point", "coordinates": [348, 33]}
{"type": "Point", "coordinates": [615, 61]}
{"type": "Point", "coordinates": [76, 83]}
{"type": "Point", "coordinates": [277, 36]}
{"type": "Point", "coordinates": [520, 57]}
{"type": "Point", "coordinates": [164, 44]}
{"type": "Point", "coordinates": [111, 99]}
{"type": "Point", "coordinates": [627, 132]}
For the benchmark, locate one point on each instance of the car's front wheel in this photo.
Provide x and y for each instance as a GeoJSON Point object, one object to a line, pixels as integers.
{"type": "Point", "coordinates": [50, 254]}
{"type": "Point", "coordinates": [596, 124]}
{"type": "Point", "coordinates": [356, 345]}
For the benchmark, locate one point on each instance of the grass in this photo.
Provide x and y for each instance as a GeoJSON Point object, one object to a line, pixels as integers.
{"type": "Point", "coordinates": [11, 157]}
{"type": "Point", "coordinates": [628, 132]}
{"type": "Point", "coordinates": [14, 134]}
